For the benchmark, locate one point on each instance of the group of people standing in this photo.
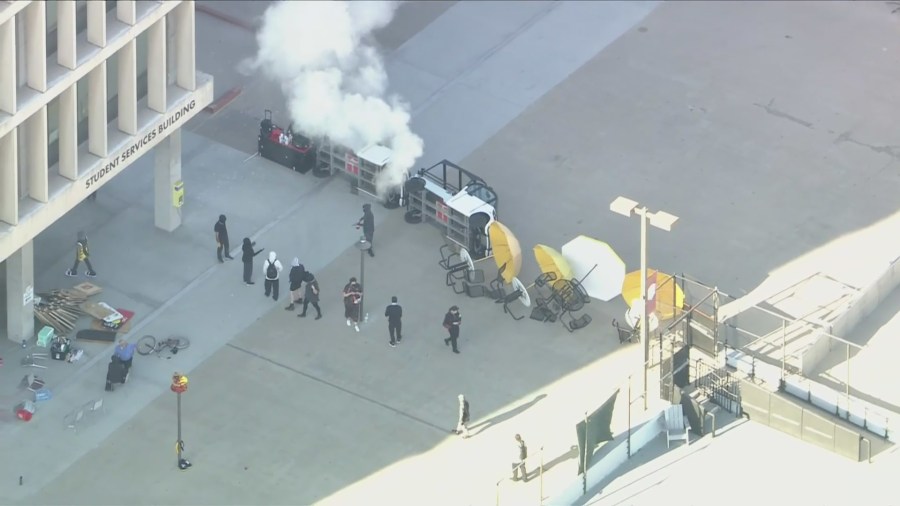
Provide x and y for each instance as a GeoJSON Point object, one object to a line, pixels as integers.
{"type": "Point", "coordinates": [298, 277]}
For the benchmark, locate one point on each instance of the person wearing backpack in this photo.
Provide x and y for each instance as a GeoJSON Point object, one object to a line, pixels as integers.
{"type": "Point", "coordinates": [82, 254]}
{"type": "Point", "coordinates": [272, 267]}
{"type": "Point", "coordinates": [518, 463]}
{"type": "Point", "coordinates": [462, 426]}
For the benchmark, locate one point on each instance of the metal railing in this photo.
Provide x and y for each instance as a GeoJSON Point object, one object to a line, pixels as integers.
{"type": "Point", "coordinates": [719, 385]}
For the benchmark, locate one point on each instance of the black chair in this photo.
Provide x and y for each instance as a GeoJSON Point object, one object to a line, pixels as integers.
{"type": "Point", "coordinates": [627, 335]}
{"type": "Point", "coordinates": [542, 312]}
{"type": "Point", "coordinates": [576, 323]}
{"type": "Point", "coordinates": [496, 286]}
{"type": "Point", "coordinates": [474, 290]}
{"type": "Point", "coordinates": [468, 278]}
{"type": "Point", "coordinates": [448, 257]}
{"type": "Point", "coordinates": [509, 299]}
{"type": "Point", "coordinates": [545, 279]}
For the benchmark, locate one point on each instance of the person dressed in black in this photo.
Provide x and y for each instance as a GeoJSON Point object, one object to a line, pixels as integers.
{"type": "Point", "coordinates": [352, 295]}
{"type": "Point", "coordinates": [394, 313]}
{"type": "Point", "coordinates": [222, 239]}
{"type": "Point", "coordinates": [116, 372]}
{"type": "Point", "coordinates": [295, 278]}
{"type": "Point", "coordinates": [247, 255]}
{"type": "Point", "coordinates": [367, 223]}
{"type": "Point", "coordinates": [451, 322]}
{"type": "Point", "coordinates": [311, 296]}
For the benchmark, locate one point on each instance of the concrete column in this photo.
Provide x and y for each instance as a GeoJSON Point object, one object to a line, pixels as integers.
{"type": "Point", "coordinates": [68, 132]}
{"type": "Point", "coordinates": [167, 172]}
{"type": "Point", "coordinates": [126, 11]}
{"type": "Point", "coordinates": [66, 47]}
{"type": "Point", "coordinates": [36, 134]}
{"type": "Point", "coordinates": [20, 294]}
{"type": "Point", "coordinates": [8, 66]}
{"type": "Point", "coordinates": [96, 23]}
{"type": "Point", "coordinates": [128, 87]}
{"type": "Point", "coordinates": [97, 134]}
{"type": "Point", "coordinates": [185, 64]}
{"type": "Point", "coordinates": [36, 45]}
{"type": "Point", "coordinates": [156, 66]}
{"type": "Point", "coordinates": [9, 178]}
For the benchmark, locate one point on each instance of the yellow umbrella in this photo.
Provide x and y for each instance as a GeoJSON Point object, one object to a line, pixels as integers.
{"type": "Point", "coordinates": [668, 301]}
{"type": "Point", "coordinates": [506, 250]}
{"type": "Point", "coordinates": [549, 260]}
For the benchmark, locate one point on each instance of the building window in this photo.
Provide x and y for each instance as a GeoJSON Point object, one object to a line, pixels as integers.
{"type": "Point", "coordinates": [141, 61]}
{"type": "Point", "coordinates": [112, 87]}
{"type": "Point", "coordinates": [80, 22]}
{"type": "Point", "coordinates": [82, 116]}
{"type": "Point", "coordinates": [53, 132]}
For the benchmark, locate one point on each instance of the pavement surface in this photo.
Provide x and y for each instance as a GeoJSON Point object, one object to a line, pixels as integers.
{"type": "Point", "coordinates": [729, 128]}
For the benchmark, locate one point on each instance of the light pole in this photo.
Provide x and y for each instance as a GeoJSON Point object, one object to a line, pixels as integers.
{"type": "Point", "coordinates": [661, 220]}
{"type": "Point", "coordinates": [363, 245]}
{"type": "Point", "coordinates": [180, 386]}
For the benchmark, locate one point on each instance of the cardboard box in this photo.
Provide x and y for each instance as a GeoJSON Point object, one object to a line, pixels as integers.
{"type": "Point", "coordinates": [87, 289]}
{"type": "Point", "coordinates": [98, 310]}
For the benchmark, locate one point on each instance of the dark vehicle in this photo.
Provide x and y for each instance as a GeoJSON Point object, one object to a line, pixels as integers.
{"type": "Point", "coordinates": [285, 147]}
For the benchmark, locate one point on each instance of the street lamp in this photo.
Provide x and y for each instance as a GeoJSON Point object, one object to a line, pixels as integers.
{"type": "Point", "coordinates": [662, 220]}
{"type": "Point", "coordinates": [363, 245]}
{"type": "Point", "coordinates": [180, 386]}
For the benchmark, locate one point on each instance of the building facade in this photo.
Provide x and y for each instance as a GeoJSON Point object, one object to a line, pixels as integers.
{"type": "Point", "coordinates": [86, 88]}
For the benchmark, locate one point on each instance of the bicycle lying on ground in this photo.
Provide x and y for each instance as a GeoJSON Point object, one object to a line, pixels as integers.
{"type": "Point", "coordinates": [149, 344]}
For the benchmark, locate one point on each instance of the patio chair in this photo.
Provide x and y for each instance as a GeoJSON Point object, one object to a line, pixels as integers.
{"type": "Point", "coordinates": [626, 335]}
{"type": "Point", "coordinates": [32, 383]}
{"type": "Point", "coordinates": [676, 425]}
{"type": "Point", "coordinates": [73, 419]}
{"type": "Point", "coordinates": [31, 359]}
{"type": "Point", "coordinates": [575, 323]}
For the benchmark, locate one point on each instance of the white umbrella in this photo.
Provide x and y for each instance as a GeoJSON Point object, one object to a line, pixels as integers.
{"type": "Point", "coordinates": [596, 265]}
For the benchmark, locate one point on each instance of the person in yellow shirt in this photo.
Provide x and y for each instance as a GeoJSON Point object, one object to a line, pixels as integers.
{"type": "Point", "coordinates": [82, 254]}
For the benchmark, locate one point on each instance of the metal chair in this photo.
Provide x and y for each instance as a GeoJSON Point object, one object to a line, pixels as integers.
{"type": "Point", "coordinates": [73, 419]}
{"type": "Point", "coordinates": [30, 360]}
{"type": "Point", "coordinates": [32, 383]}
{"type": "Point", "coordinates": [576, 323]}
{"type": "Point", "coordinates": [626, 335]}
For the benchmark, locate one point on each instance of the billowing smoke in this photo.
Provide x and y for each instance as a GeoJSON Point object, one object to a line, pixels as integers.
{"type": "Point", "coordinates": [334, 79]}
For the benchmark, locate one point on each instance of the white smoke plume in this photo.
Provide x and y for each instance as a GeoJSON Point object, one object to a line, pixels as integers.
{"type": "Point", "coordinates": [334, 79]}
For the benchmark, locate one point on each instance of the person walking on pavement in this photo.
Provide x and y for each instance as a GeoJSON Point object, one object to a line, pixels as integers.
{"type": "Point", "coordinates": [295, 278]}
{"type": "Point", "coordinates": [311, 296]}
{"type": "Point", "coordinates": [462, 425]}
{"type": "Point", "coordinates": [82, 254]}
{"type": "Point", "coordinates": [451, 322]}
{"type": "Point", "coordinates": [367, 223]}
{"type": "Point", "coordinates": [247, 255]}
{"type": "Point", "coordinates": [222, 239]}
{"type": "Point", "coordinates": [272, 268]}
{"type": "Point", "coordinates": [518, 463]}
{"type": "Point", "coordinates": [394, 313]}
{"type": "Point", "coordinates": [352, 295]}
